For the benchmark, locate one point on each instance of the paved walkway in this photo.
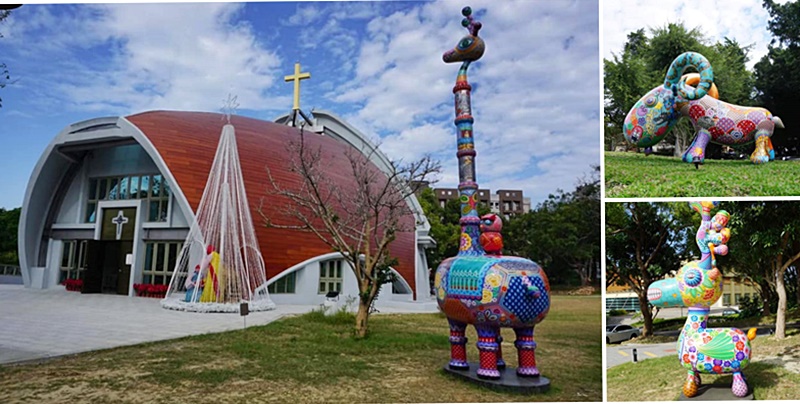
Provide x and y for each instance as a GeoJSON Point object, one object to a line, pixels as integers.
{"type": "Point", "coordinates": [39, 324]}
{"type": "Point", "coordinates": [617, 354]}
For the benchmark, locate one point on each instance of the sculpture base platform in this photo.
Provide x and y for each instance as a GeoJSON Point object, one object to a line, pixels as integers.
{"type": "Point", "coordinates": [508, 381]}
{"type": "Point", "coordinates": [716, 392]}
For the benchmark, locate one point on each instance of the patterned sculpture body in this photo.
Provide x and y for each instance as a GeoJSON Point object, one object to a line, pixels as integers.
{"type": "Point", "coordinates": [695, 96]}
{"type": "Point", "coordinates": [488, 291]}
{"type": "Point", "coordinates": [698, 285]}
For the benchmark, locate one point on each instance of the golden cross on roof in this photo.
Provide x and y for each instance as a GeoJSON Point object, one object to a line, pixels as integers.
{"type": "Point", "coordinates": [296, 78]}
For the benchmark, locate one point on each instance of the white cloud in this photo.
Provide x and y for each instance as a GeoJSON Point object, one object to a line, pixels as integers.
{"type": "Point", "coordinates": [535, 92]}
{"type": "Point", "coordinates": [175, 56]}
{"type": "Point", "coordinates": [535, 96]}
{"type": "Point", "coordinates": [742, 20]}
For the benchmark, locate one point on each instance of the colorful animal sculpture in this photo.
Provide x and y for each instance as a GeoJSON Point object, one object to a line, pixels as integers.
{"type": "Point", "coordinates": [488, 291]}
{"type": "Point", "coordinates": [491, 238]}
{"type": "Point", "coordinates": [698, 285]}
{"type": "Point", "coordinates": [655, 114]}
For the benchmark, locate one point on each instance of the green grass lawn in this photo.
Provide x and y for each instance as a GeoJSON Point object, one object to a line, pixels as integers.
{"type": "Point", "coordinates": [773, 374]}
{"type": "Point", "coordinates": [636, 175]}
{"type": "Point", "coordinates": [312, 358]}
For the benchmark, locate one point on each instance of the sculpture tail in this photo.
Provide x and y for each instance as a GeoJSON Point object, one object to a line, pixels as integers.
{"type": "Point", "coordinates": [778, 122]}
{"type": "Point", "coordinates": [751, 334]}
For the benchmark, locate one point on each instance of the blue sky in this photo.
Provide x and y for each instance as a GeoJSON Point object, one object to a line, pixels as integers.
{"type": "Point", "coordinates": [376, 64]}
{"type": "Point", "coordinates": [743, 20]}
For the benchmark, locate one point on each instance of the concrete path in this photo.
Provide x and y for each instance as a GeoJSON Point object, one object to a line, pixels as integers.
{"type": "Point", "coordinates": [617, 354]}
{"type": "Point", "coordinates": [40, 324]}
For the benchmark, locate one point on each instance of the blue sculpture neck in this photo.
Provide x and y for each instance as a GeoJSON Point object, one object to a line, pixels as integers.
{"type": "Point", "coordinates": [468, 185]}
{"type": "Point", "coordinates": [696, 320]}
{"type": "Point", "coordinates": [706, 260]}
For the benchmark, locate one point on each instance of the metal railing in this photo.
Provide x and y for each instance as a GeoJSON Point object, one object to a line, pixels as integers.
{"type": "Point", "coordinates": [11, 270]}
{"type": "Point", "coordinates": [622, 303]}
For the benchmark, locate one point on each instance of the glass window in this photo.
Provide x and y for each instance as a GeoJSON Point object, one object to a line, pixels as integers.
{"type": "Point", "coordinates": [150, 187]}
{"type": "Point", "coordinates": [156, 186]}
{"type": "Point", "coordinates": [103, 189]}
{"type": "Point", "coordinates": [160, 249]}
{"type": "Point", "coordinates": [66, 255]}
{"type": "Point", "coordinates": [134, 187]}
{"type": "Point", "coordinates": [162, 211]}
{"type": "Point", "coordinates": [91, 207]}
{"type": "Point", "coordinates": [159, 261]}
{"type": "Point", "coordinates": [113, 191]}
{"type": "Point", "coordinates": [124, 183]}
{"type": "Point", "coordinates": [145, 186]}
{"type": "Point", "coordinates": [73, 260]}
{"type": "Point", "coordinates": [92, 188]}
{"type": "Point", "coordinates": [330, 276]}
{"type": "Point", "coordinates": [283, 285]}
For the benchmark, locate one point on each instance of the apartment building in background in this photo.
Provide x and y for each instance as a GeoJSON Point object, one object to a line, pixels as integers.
{"type": "Point", "coordinates": [505, 202]}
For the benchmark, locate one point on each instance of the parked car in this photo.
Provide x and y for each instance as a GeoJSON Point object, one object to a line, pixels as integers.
{"type": "Point", "coordinates": [730, 312]}
{"type": "Point", "coordinates": [621, 332]}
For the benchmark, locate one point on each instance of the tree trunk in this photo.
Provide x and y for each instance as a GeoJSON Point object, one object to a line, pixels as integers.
{"type": "Point", "coordinates": [766, 298]}
{"type": "Point", "coordinates": [584, 272]}
{"type": "Point", "coordinates": [797, 289]}
{"type": "Point", "coordinates": [362, 316]}
{"type": "Point", "coordinates": [647, 314]}
{"type": "Point", "coordinates": [780, 318]}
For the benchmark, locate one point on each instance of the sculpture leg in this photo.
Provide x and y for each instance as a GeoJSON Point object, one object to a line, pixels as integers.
{"type": "Point", "coordinates": [762, 153]}
{"type": "Point", "coordinates": [501, 364]}
{"type": "Point", "coordinates": [770, 149]}
{"type": "Point", "coordinates": [691, 385]}
{"type": "Point", "coordinates": [648, 151]}
{"type": "Point", "coordinates": [458, 342]}
{"type": "Point", "coordinates": [525, 350]}
{"type": "Point", "coordinates": [739, 387]}
{"type": "Point", "coordinates": [696, 153]}
{"type": "Point", "coordinates": [488, 347]}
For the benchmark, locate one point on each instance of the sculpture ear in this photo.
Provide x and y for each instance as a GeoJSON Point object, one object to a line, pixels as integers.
{"type": "Point", "coordinates": [721, 249]}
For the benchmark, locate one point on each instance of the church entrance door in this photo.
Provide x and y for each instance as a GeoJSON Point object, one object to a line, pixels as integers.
{"type": "Point", "coordinates": [106, 268]}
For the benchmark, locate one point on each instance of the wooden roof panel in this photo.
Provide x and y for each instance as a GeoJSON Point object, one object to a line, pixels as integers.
{"type": "Point", "coordinates": [187, 142]}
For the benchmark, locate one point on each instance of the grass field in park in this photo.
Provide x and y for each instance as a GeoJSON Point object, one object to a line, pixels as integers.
{"type": "Point", "coordinates": [313, 358]}
{"type": "Point", "coordinates": [773, 374]}
{"type": "Point", "coordinates": [634, 175]}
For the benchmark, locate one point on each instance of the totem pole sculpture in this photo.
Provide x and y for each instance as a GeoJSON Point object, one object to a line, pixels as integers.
{"type": "Point", "coordinates": [488, 291]}
{"type": "Point", "coordinates": [698, 285]}
{"type": "Point", "coordinates": [695, 96]}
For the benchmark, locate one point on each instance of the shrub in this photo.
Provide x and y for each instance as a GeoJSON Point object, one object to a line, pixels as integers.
{"type": "Point", "coordinates": [749, 307]}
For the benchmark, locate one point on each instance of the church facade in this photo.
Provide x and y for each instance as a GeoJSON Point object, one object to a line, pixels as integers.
{"type": "Point", "coordinates": [111, 200]}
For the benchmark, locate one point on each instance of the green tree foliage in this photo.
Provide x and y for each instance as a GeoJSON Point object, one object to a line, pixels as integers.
{"type": "Point", "coordinates": [643, 63]}
{"type": "Point", "coordinates": [444, 231]}
{"type": "Point", "coordinates": [777, 74]}
{"type": "Point", "coordinates": [9, 222]}
{"type": "Point", "coordinates": [765, 246]}
{"type": "Point", "coordinates": [562, 235]}
{"type": "Point", "coordinates": [644, 242]}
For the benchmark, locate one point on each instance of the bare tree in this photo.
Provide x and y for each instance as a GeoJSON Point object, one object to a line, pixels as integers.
{"type": "Point", "coordinates": [358, 217]}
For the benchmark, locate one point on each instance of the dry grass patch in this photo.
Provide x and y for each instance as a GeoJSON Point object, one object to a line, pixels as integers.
{"type": "Point", "coordinates": [315, 358]}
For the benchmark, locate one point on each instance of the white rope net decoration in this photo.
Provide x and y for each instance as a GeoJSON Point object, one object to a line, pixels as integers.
{"type": "Point", "coordinates": [220, 265]}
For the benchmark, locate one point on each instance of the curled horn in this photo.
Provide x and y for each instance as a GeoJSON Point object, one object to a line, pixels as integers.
{"type": "Point", "coordinates": [675, 82]}
{"type": "Point", "coordinates": [471, 24]}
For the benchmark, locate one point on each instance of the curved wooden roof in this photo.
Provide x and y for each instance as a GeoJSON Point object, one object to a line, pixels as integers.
{"type": "Point", "coordinates": [187, 142]}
